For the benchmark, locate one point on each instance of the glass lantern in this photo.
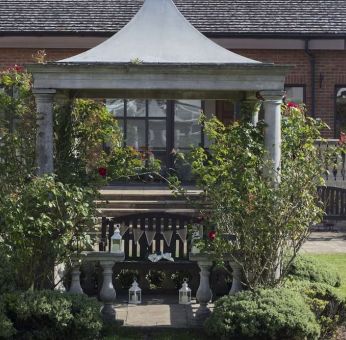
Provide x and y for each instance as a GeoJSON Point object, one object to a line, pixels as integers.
{"type": "Point", "coordinates": [135, 293]}
{"type": "Point", "coordinates": [116, 241]}
{"type": "Point", "coordinates": [185, 294]}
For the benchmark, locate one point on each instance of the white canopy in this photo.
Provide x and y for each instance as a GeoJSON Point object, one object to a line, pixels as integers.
{"type": "Point", "coordinates": [157, 34]}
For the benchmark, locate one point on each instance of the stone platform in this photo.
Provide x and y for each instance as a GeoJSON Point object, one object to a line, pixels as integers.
{"type": "Point", "coordinates": [158, 311]}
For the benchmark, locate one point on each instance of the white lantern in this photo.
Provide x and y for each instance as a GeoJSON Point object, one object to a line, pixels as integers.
{"type": "Point", "coordinates": [116, 241]}
{"type": "Point", "coordinates": [185, 294]}
{"type": "Point", "coordinates": [135, 293]}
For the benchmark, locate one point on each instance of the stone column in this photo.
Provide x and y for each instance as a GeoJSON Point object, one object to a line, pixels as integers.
{"type": "Point", "coordinates": [107, 293]}
{"type": "Point", "coordinates": [236, 281]}
{"type": "Point", "coordinates": [44, 138]}
{"type": "Point", "coordinates": [272, 101]}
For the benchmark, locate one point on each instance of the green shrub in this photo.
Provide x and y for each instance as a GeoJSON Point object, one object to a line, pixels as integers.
{"type": "Point", "coordinates": [50, 315]}
{"type": "Point", "coordinates": [326, 303]}
{"type": "Point", "coordinates": [7, 273]}
{"type": "Point", "coordinates": [307, 268]}
{"type": "Point", "coordinates": [278, 313]}
{"type": "Point", "coordinates": [6, 327]}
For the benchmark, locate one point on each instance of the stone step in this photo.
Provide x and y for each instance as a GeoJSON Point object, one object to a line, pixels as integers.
{"type": "Point", "coordinates": [142, 204]}
{"type": "Point", "coordinates": [142, 194]}
{"type": "Point", "coordinates": [129, 211]}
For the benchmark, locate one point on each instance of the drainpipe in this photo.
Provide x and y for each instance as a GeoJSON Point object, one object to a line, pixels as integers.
{"type": "Point", "coordinates": [313, 72]}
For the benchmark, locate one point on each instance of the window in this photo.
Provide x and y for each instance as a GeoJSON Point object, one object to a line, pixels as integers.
{"type": "Point", "coordinates": [340, 110]}
{"type": "Point", "coordinates": [160, 126]}
{"type": "Point", "coordinates": [295, 93]}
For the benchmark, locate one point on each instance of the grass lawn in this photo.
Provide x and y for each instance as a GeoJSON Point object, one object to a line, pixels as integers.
{"type": "Point", "coordinates": [337, 261]}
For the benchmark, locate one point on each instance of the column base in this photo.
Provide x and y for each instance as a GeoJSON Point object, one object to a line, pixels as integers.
{"type": "Point", "coordinates": [202, 313]}
{"type": "Point", "coordinates": [108, 312]}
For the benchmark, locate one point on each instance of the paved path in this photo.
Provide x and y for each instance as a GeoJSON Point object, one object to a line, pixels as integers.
{"type": "Point", "coordinates": [325, 242]}
{"type": "Point", "coordinates": [162, 311]}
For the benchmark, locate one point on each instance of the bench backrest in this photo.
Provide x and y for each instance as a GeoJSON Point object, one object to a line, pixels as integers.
{"type": "Point", "coordinates": [159, 233]}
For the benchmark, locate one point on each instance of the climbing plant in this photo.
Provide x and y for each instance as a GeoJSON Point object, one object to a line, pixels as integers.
{"type": "Point", "coordinates": [44, 220]}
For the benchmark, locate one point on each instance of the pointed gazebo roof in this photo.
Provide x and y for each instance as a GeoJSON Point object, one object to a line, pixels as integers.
{"type": "Point", "coordinates": [159, 34]}
{"type": "Point", "coordinates": [158, 54]}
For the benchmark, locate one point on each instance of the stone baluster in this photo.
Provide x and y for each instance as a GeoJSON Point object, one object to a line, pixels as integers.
{"type": "Point", "coordinates": [75, 287]}
{"type": "Point", "coordinates": [107, 293]}
{"type": "Point", "coordinates": [236, 281]}
{"type": "Point", "coordinates": [204, 293]}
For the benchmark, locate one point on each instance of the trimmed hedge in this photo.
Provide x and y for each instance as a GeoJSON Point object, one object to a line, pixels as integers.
{"type": "Point", "coordinates": [279, 313]}
{"type": "Point", "coordinates": [327, 304]}
{"type": "Point", "coordinates": [49, 315]}
{"type": "Point", "coordinates": [307, 268]}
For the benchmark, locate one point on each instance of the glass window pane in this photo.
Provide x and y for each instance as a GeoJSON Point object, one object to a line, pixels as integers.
{"type": "Point", "coordinates": [136, 108]}
{"type": "Point", "coordinates": [121, 125]}
{"type": "Point", "coordinates": [135, 134]}
{"type": "Point", "coordinates": [187, 110]}
{"type": "Point", "coordinates": [116, 107]}
{"type": "Point", "coordinates": [187, 130]}
{"type": "Point", "coordinates": [294, 94]}
{"type": "Point", "coordinates": [157, 134]}
{"type": "Point", "coordinates": [157, 108]}
{"type": "Point", "coordinates": [340, 111]}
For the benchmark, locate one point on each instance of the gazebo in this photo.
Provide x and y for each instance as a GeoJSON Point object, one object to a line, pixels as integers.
{"type": "Point", "coordinates": [158, 55]}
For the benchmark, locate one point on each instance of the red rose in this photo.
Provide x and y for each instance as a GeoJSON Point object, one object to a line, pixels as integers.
{"type": "Point", "coordinates": [291, 104]}
{"type": "Point", "coordinates": [342, 138]}
{"type": "Point", "coordinates": [102, 172]}
{"type": "Point", "coordinates": [18, 68]}
{"type": "Point", "coordinates": [212, 235]}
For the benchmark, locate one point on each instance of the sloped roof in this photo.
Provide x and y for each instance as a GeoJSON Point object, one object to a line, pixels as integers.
{"type": "Point", "coordinates": [159, 33]}
{"type": "Point", "coordinates": [212, 17]}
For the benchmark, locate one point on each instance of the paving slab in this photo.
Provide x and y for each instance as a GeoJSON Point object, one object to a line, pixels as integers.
{"type": "Point", "coordinates": [325, 242]}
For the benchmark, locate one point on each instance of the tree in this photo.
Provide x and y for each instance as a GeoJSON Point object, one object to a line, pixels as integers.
{"type": "Point", "coordinates": [45, 220]}
{"type": "Point", "coordinates": [258, 224]}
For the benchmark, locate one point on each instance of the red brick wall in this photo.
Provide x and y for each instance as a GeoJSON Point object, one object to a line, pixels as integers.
{"type": "Point", "coordinates": [331, 65]}
{"type": "Point", "coordinates": [10, 56]}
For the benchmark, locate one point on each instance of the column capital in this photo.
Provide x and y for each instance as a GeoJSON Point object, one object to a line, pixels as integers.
{"type": "Point", "coordinates": [44, 95]}
{"type": "Point", "coordinates": [272, 95]}
{"type": "Point", "coordinates": [43, 91]}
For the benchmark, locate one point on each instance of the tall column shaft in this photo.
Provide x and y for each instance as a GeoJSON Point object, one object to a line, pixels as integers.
{"type": "Point", "coordinates": [250, 107]}
{"type": "Point", "coordinates": [272, 138]}
{"type": "Point", "coordinates": [44, 137]}
{"type": "Point", "coordinates": [272, 133]}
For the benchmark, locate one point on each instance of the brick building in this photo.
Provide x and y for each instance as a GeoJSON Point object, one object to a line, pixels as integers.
{"type": "Point", "coordinates": [309, 34]}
